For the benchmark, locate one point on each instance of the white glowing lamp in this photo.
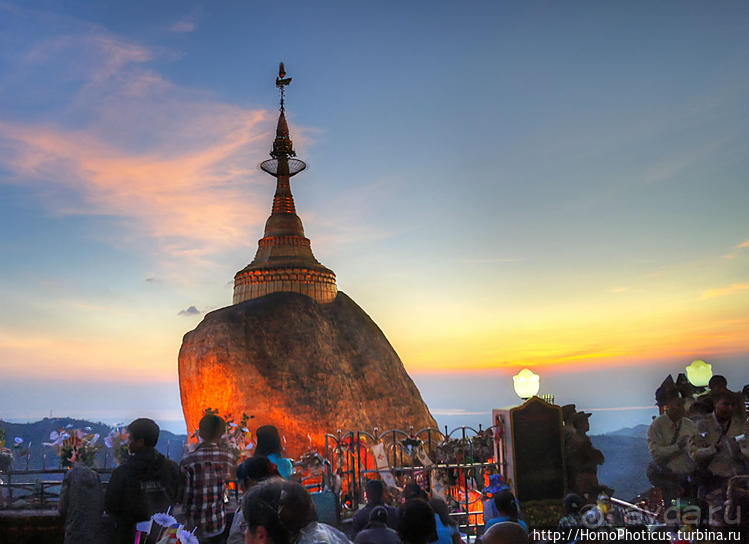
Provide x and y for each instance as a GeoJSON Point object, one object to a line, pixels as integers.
{"type": "Point", "coordinates": [526, 383]}
{"type": "Point", "coordinates": [699, 373]}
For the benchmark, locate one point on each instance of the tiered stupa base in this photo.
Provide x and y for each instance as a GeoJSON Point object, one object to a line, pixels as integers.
{"type": "Point", "coordinates": [316, 283]}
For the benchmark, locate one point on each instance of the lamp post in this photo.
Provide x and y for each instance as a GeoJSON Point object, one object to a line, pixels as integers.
{"type": "Point", "coordinates": [526, 384]}
{"type": "Point", "coordinates": [699, 373]}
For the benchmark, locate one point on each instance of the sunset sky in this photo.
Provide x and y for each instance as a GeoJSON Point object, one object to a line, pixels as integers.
{"type": "Point", "coordinates": [559, 186]}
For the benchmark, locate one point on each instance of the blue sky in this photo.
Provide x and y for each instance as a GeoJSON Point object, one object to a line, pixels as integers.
{"type": "Point", "coordinates": [560, 186]}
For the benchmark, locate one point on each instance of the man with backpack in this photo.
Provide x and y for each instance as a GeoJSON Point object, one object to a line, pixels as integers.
{"type": "Point", "coordinates": [146, 483]}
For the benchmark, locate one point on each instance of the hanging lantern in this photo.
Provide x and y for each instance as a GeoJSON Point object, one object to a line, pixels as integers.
{"type": "Point", "coordinates": [526, 383]}
{"type": "Point", "coordinates": [699, 373]}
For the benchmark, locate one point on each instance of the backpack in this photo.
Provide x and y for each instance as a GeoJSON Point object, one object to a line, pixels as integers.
{"type": "Point", "coordinates": [151, 494]}
{"type": "Point", "coordinates": [154, 497]}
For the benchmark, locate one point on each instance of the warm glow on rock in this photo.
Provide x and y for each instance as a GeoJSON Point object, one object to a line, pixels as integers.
{"type": "Point", "coordinates": [305, 367]}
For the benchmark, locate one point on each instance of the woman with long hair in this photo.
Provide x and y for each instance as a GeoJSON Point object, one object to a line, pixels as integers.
{"type": "Point", "coordinates": [269, 445]}
{"type": "Point", "coordinates": [447, 528]}
{"type": "Point", "coordinates": [507, 506]}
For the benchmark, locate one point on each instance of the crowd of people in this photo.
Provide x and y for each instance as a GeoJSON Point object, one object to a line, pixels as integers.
{"type": "Point", "coordinates": [699, 451]}
{"type": "Point", "coordinates": [698, 448]}
{"type": "Point", "coordinates": [274, 509]}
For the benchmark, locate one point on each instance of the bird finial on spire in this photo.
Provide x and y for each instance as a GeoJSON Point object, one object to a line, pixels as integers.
{"type": "Point", "coordinates": [282, 81]}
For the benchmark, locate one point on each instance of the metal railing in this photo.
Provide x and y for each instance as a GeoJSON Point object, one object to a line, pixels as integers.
{"type": "Point", "coordinates": [31, 491]}
{"type": "Point", "coordinates": [349, 453]}
{"type": "Point", "coordinates": [36, 488]}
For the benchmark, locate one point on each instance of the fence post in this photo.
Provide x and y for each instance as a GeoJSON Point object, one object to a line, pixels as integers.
{"type": "Point", "coordinates": [465, 484]}
{"type": "Point", "coordinates": [428, 472]}
{"type": "Point", "coordinates": [357, 466]}
{"type": "Point", "coordinates": [329, 468]}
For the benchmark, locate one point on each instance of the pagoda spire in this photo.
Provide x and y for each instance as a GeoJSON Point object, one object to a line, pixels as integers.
{"type": "Point", "coordinates": [284, 259]}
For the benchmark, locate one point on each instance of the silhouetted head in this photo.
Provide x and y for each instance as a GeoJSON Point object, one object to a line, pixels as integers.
{"type": "Point", "coordinates": [255, 469]}
{"type": "Point", "coordinates": [413, 491]}
{"type": "Point", "coordinates": [506, 504]}
{"type": "Point", "coordinates": [144, 434]}
{"type": "Point", "coordinates": [211, 427]}
{"type": "Point", "coordinates": [416, 523]}
{"type": "Point", "coordinates": [276, 510]}
{"type": "Point", "coordinates": [375, 491]}
{"type": "Point", "coordinates": [664, 389]}
{"type": "Point", "coordinates": [674, 406]}
{"type": "Point", "coordinates": [506, 532]}
{"type": "Point", "coordinates": [718, 383]}
{"type": "Point", "coordinates": [268, 441]}
{"type": "Point", "coordinates": [379, 514]}
{"type": "Point", "coordinates": [724, 406]}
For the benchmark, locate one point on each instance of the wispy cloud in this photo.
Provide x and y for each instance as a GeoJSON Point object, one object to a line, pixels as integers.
{"type": "Point", "coordinates": [187, 201]}
{"type": "Point", "coordinates": [676, 164]}
{"type": "Point", "coordinates": [190, 311]}
{"type": "Point", "coordinates": [171, 164]}
{"type": "Point", "coordinates": [188, 23]}
{"type": "Point", "coordinates": [737, 247]}
{"type": "Point", "coordinates": [724, 291]}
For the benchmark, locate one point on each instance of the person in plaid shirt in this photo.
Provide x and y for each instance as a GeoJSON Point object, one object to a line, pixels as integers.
{"type": "Point", "coordinates": [207, 470]}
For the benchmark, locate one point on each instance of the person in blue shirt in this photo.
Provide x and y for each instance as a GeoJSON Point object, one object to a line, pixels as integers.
{"type": "Point", "coordinates": [269, 445]}
{"type": "Point", "coordinates": [507, 507]}
{"type": "Point", "coordinates": [447, 528]}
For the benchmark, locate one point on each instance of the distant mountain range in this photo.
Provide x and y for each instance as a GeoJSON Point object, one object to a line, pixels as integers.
{"type": "Point", "coordinates": [639, 431]}
{"type": "Point", "coordinates": [626, 451]}
{"type": "Point", "coordinates": [627, 458]}
{"type": "Point", "coordinates": [40, 456]}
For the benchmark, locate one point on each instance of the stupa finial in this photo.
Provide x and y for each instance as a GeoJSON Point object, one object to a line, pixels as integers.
{"type": "Point", "coordinates": [282, 146]}
{"type": "Point", "coordinates": [284, 259]}
{"type": "Point", "coordinates": [281, 82]}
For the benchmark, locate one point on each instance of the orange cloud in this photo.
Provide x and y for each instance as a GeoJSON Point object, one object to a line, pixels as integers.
{"type": "Point", "coordinates": [743, 244]}
{"type": "Point", "coordinates": [187, 201]}
{"type": "Point", "coordinates": [174, 165]}
{"type": "Point", "coordinates": [52, 355]}
{"type": "Point", "coordinates": [721, 292]}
